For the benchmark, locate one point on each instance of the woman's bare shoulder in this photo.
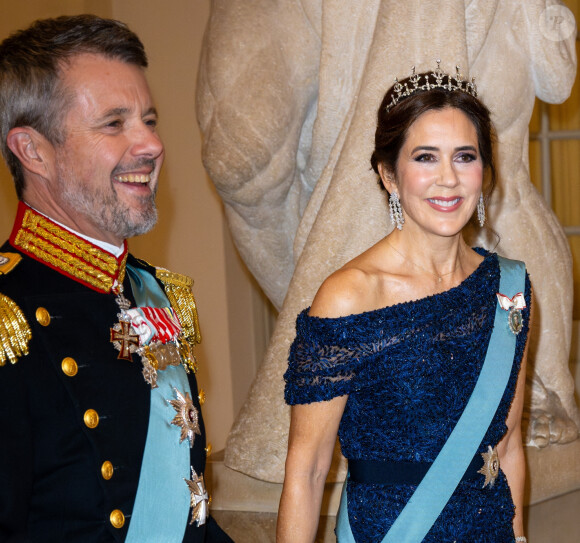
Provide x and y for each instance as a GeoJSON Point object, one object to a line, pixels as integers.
{"type": "Point", "coordinates": [339, 295]}
{"type": "Point", "coordinates": [356, 287]}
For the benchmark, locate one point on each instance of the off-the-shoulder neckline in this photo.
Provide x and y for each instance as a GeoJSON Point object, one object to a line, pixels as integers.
{"type": "Point", "coordinates": [405, 306]}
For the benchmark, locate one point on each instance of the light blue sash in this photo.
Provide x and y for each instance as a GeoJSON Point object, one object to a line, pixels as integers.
{"type": "Point", "coordinates": [162, 502]}
{"type": "Point", "coordinates": [439, 483]}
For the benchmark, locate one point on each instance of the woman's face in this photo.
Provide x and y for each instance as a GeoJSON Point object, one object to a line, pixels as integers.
{"type": "Point", "coordinates": [439, 172]}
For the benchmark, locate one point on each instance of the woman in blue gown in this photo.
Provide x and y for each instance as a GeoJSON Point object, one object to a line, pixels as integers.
{"type": "Point", "coordinates": [390, 351]}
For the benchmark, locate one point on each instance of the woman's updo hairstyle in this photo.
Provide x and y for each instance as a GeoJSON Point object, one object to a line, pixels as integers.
{"type": "Point", "coordinates": [399, 111]}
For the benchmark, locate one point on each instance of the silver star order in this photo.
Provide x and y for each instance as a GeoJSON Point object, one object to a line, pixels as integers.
{"type": "Point", "coordinates": [187, 416]}
{"type": "Point", "coordinates": [199, 499]}
{"type": "Point", "coordinates": [490, 468]}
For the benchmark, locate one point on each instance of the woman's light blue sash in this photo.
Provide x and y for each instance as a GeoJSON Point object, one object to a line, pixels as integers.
{"type": "Point", "coordinates": [439, 483]}
{"type": "Point", "coordinates": [162, 502]}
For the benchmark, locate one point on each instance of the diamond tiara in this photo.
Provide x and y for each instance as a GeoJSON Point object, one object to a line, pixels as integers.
{"type": "Point", "coordinates": [434, 80]}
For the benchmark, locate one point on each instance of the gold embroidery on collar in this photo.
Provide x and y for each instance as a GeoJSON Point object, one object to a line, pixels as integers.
{"type": "Point", "coordinates": [66, 252]}
{"type": "Point", "coordinates": [63, 260]}
{"type": "Point", "coordinates": [69, 242]}
{"type": "Point", "coordinates": [14, 331]}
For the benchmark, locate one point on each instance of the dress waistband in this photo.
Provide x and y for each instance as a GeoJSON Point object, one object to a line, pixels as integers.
{"type": "Point", "coordinates": [396, 473]}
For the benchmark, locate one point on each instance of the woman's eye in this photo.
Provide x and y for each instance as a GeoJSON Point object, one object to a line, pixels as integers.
{"type": "Point", "coordinates": [425, 157]}
{"type": "Point", "coordinates": [467, 157]}
{"type": "Point", "coordinates": [114, 124]}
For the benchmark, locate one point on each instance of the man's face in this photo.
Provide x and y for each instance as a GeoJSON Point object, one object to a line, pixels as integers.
{"type": "Point", "coordinates": [107, 169]}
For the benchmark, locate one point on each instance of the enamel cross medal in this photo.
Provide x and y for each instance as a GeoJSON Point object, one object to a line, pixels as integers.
{"type": "Point", "coordinates": [122, 336]}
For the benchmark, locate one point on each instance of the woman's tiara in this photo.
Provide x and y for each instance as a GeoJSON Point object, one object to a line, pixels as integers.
{"type": "Point", "coordinates": [434, 80]}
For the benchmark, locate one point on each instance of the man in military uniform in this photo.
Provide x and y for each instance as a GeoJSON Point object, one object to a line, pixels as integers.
{"type": "Point", "coordinates": [100, 421]}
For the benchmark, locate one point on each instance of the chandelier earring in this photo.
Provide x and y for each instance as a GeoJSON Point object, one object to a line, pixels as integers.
{"type": "Point", "coordinates": [395, 210]}
{"type": "Point", "coordinates": [481, 211]}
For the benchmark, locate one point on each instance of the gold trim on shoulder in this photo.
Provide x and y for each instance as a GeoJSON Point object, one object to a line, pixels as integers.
{"type": "Point", "coordinates": [8, 262]}
{"type": "Point", "coordinates": [14, 331]}
{"type": "Point", "coordinates": [178, 291]}
{"type": "Point", "coordinates": [67, 252]}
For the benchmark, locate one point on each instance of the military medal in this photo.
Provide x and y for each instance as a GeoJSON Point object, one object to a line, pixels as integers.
{"type": "Point", "coordinates": [187, 417]}
{"type": "Point", "coordinates": [514, 308]}
{"type": "Point", "coordinates": [199, 499]}
{"type": "Point", "coordinates": [123, 337]}
{"type": "Point", "coordinates": [124, 340]}
{"type": "Point", "coordinates": [154, 333]}
{"type": "Point", "coordinates": [490, 468]}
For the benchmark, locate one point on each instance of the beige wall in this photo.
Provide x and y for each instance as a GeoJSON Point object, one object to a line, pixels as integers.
{"type": "Point", "coordinates": [191, 237]}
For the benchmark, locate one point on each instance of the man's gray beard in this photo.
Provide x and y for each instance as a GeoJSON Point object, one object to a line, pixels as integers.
{"type": "Point", "coordinates": [107, 213]}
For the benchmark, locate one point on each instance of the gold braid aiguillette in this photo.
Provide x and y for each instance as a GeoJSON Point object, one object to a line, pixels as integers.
{"type": "Point", "coordinates": [178, 291]}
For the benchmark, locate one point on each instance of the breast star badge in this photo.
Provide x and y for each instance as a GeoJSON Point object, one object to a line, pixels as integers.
{"type": "Point", "coordinates": [199, 499]}
{"type": "Point", "coordinates": [490, 468]}
{"type": "Point", "coordinates": [187, 416]}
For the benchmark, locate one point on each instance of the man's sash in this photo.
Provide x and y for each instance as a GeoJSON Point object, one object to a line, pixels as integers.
{"type": "Point", "coordinates": [162, 502]}
{"type": "Point", "coordinates": [439, 483]}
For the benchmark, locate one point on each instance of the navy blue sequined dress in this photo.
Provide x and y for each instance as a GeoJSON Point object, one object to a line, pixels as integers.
{"type": "Point", "coordinates": [409, 370]}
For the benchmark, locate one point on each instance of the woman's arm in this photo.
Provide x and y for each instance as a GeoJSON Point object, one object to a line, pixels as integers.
{"type": "Point", "coordinates": [313, 430]}
{"type": "Point", "coordinates": [511, 449]}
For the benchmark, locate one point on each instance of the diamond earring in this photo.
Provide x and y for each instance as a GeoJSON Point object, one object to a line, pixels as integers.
{"type": "Point", "coordinates": [481, 211]}
{"type": "Point", "coordinates": [395, 211]}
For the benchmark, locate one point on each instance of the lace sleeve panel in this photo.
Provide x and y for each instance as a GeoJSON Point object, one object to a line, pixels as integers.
{"type": "Point", "coordinates": [323, 361]}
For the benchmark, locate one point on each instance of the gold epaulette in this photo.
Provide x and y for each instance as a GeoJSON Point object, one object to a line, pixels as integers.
{"type": "Point", "coordinates": [14, 331]}
{"type": "Point", "coordinates": [178, 290]}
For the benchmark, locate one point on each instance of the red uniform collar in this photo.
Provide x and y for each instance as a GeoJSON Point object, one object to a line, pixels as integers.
{"type": "Point", "coordinates": [62, 250]}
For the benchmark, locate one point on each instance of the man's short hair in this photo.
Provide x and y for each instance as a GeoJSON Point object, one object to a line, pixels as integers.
{"type": "Point", "coordinates": [31, 93]}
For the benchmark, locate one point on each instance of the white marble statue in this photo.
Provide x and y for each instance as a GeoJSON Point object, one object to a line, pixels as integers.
{"type": "Point", "coordinates": [287, 100]}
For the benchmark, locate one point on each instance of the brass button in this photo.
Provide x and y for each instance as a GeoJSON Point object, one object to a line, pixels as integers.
{"type": "Point", "coordinates": [209, 500]}
{"type": "Point", "coordinates": [107, 470]}
{"type": "Point", "coordinates": [69, 366]}
{"type": "Point", "coordinates": [91, 418]}
{"type": "Point", "coordinates": [42, 316]}
{"type": "Point", "coordinates": [208, 449]}
{"type": "Point", "coordinates": [201, 396]}
{"type": "Point", "coordinates": [117, 518]}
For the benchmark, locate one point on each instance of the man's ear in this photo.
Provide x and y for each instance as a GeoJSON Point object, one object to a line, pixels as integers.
{"type": "Point", "coordinates": [387, 178]}
{"type": "Point", "coordinates": [31, 148]}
